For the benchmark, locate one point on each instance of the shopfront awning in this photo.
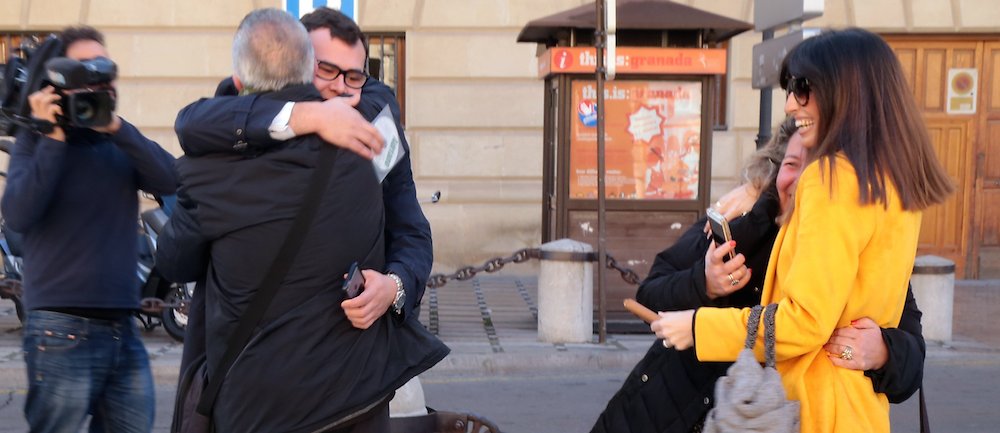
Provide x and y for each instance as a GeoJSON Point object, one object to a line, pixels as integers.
{"type": "Point", "coordinates": [636, 15]}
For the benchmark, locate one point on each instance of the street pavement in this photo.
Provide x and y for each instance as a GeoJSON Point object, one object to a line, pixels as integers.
{"type": "Point", "coordinates": [499, 370]}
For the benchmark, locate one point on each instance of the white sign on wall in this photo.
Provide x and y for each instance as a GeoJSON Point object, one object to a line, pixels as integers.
{"type": "Point", "coordinates": [301, 7]}
{"type": "Point", "coordinates": [962, 85]}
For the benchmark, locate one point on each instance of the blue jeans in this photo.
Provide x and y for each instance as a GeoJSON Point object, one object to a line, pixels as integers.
{"type": "Point", "coordinates": [79, 366]}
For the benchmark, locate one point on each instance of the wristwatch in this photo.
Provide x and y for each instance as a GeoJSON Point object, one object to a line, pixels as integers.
{"type": "Point", "coordinates": [400, 300]}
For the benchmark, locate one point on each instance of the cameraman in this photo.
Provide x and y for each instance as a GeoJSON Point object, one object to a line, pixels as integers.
{"type": "Point", "coordinates": [72, 192]}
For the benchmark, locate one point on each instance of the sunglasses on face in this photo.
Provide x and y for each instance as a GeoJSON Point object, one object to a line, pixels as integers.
{"type": "Point", "coordinates": [798, 87]}
{"type": "Point", "coordinates": [353, 78]}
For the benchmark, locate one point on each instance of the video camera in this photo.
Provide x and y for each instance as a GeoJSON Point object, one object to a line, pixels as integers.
{"type": "Point", "coordinates": [87, 98]}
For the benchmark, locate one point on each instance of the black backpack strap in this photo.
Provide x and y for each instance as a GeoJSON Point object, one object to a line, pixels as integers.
{"type": "Point", "coordinates": [273, 278]}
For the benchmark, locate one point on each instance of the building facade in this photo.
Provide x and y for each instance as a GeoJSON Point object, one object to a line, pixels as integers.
{"type": "Point", "coordinates": [474, 104]}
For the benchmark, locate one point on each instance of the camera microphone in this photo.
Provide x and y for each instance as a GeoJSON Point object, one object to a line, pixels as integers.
{"type": "Point", "coordinates": [67, 73]}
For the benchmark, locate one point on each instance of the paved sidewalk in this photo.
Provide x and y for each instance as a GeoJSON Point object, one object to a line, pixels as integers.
{"type": "Point", "coordinates": [490, 324]}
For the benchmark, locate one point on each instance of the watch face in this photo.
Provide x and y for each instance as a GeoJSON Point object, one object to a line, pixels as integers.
{"type": "Point", "coordinates": [400, 299]}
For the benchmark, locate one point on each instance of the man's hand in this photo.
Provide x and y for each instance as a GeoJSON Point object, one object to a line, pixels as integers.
{"type": "Point", "coordinates": [45, 106]}
{"type": "Point", "coordinates": [337, 123]}
{"type": "Point", "coordinates": [373, 302]}
{"type": "Point", "coordinates": [111, 128]}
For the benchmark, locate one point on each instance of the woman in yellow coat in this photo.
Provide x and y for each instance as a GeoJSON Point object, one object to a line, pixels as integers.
{"type": "Point", "coordinates": [848, 245]}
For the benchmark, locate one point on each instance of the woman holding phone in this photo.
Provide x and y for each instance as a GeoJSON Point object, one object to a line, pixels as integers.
{"type": "Point", "coordinates": [670, 390]}
{"type": "Point", "coordinates": [849, 241]}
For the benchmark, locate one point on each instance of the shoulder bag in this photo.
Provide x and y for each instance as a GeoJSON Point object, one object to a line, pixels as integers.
{"type": "Point", "coordinates": [750, 397]}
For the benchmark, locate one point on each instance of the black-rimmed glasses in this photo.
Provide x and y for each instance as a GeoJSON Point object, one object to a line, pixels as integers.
{"type": "Point", "coordinates": [353, 78]}
{"type": "Point", "coordinates": [798, 87]}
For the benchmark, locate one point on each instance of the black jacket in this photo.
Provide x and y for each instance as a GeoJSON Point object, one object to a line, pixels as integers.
{"type": "Point", "coordinates": [239, 125]}
{"type": "Point", "coordinates": [670, 390]}
{"type": "Point", "coordinates": [306, 368]}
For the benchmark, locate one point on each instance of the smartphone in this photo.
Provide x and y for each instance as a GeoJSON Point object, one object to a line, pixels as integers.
{"type": "Point", "coordinates": [720, 229]}
{"type": "Point", "coordinates": [647, 315]}
{"type": "Point", "coordinates": [354, 284]}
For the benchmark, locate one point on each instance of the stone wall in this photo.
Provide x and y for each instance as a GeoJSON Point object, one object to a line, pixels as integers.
{"type": "Point", "coordinates": [474, 103]}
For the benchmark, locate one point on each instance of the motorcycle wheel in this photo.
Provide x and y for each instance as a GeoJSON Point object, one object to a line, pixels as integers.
{"type": "Point", "coordinates": [175, 319]}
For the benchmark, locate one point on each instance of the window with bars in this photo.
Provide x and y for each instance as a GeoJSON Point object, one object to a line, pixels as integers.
{"type": "Point", "coordinates": [10, 43]}
{"type": "Point", "coordinates": [386, 62]}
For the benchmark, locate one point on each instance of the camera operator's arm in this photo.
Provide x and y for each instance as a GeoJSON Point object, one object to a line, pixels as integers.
{"type": "Point", "coordinates": [154, 167]}
{"type": "Point", "coordinates": [36, 162]}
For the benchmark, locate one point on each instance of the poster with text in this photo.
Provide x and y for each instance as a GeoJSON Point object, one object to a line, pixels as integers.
{"type": "Point", "coordinates": [652, 140]}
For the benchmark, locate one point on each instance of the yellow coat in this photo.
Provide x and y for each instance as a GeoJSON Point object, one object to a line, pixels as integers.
{"type": "Point", "coordinates": [833, 262]}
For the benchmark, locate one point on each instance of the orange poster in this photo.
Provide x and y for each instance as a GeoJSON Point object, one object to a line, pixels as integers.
{"type": "Point", "coordinates": [652, 140]}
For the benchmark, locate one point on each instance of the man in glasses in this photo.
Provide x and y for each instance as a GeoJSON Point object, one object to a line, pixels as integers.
{"type": "Point", "coordinates": [250, 125]}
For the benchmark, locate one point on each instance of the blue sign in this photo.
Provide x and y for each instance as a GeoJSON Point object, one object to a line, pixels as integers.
{"type": "Point", "coordinates": [301, 7]}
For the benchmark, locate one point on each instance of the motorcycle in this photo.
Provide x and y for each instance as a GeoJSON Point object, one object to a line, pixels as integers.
{"type": "Point", "coordinates": [163, 303]}
{"type": "Point", "coordinates": [10, 275]}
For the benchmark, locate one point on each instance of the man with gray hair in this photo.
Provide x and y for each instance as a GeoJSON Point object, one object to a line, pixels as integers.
{"type": "Point", "coordinates": [234, 212]}
{"type": "Point", "coordinates": [271, 51]}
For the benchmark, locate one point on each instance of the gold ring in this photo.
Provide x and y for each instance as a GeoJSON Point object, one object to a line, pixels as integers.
{"type": "Point", "coordinates": [847, 354]}
{"type": "Point", "coordinates": [733, 281]}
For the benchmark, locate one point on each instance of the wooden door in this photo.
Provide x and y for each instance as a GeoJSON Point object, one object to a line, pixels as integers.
{"type": "Point", "coordinates": [947, 228]}
{"type": "Point", "coordinates": [987, 186]}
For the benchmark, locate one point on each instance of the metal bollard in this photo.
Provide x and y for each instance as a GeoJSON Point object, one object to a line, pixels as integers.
{"type": "Point", "coordinates": [566, 292]}
{"type": "Point", "coordinates": [933, 283]}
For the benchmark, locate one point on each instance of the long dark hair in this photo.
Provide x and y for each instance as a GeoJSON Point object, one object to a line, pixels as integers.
{"type": "Point", "coordinates": [868, 113]}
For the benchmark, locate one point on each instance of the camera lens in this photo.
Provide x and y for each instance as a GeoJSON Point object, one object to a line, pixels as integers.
{"type": "Point", "coordinates": [83, 109]}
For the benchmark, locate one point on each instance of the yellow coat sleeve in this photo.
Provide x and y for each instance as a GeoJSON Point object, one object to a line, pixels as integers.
{"type": "Point", "coordinates": [818, 254]}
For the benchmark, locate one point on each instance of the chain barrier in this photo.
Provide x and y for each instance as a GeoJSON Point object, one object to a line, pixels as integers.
{"type": "Point", "coordinates": [627, 274]}
{"type": "Point", "coordinates": [497, 263]}
{"type": "Point", "coordinates": [156, 305]}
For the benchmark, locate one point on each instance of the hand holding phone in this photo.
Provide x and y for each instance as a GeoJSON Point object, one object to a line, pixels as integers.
{"type": "Point", "coordinates": [354, 284]}
{"type": "Point", "coordinates": [720, 229]}
{"type": "Point", "coordinates": [647, 315]}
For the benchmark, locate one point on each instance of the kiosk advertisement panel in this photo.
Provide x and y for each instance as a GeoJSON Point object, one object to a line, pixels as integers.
{"type": "Point", "coordinates": [652, 143]}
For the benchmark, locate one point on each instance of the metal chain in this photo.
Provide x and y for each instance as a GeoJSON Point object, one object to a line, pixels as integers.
{"type": "Point", "coordinates": [497, 263]}
{"type": "Point", "coordinates": [627, 274]}
{"type": "Point", "coordinates": [491, 265]}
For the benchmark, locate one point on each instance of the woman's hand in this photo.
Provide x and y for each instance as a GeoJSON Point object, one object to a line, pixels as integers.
{"type": "Point", "coordinates": [675, 328]}
{"type": "Point", "coordinates": [858, 347]}
{"type": "Point", "coordinates": [723, 278]}
{"type": "Point", "coordinates": [737, 202]}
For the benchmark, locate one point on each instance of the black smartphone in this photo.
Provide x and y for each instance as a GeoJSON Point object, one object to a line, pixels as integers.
{"type": "Point", "coordinates": [720, 229]}
{"type": "Point", "coordinates": [354, 284]}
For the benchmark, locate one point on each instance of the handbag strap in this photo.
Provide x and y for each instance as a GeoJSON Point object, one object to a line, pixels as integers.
{"type": "Point", "coordinates": [769, 351]}
{"type": "Point", "coordinates": [752, 323]}
{"type": "Point", "coordinates": [272, 279]}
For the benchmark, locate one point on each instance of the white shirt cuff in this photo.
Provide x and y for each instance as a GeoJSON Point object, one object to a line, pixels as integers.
{"type": "Point", "coordinates": [280, 129]}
